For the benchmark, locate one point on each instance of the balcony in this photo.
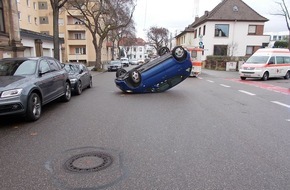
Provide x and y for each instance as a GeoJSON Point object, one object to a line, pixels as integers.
{"type": "Point", "coordinates": [75, 27]}
{"type": "Point", "coordinates": [77, 57]}
{"type": "Point", "coordinates": [76, 42]}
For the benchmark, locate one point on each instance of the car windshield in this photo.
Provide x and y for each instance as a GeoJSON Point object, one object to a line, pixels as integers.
{"type": "Point", "coordinates": [115, 63]}
{"type": "Point", "coordinates": [258, 59]}
{"type": "Point", "coordinates": [17, 67]}
{"type": "Point", "coordinates": [71, 68]}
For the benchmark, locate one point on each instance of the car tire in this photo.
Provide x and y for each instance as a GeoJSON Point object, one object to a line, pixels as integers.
{"type": "Point", "coordinates": [243, 78]}
{"type": "Point", "coordinates": [79, 87]}
{"type": "Point", "coordinates": [265, 76]}
{"type": "Point", "coordinates": [135, 76]}
{"type": "Point", "coordinates": [287, 76]}
{"type": "Point", "coordinates": [67, 95]}
{"type": "Point", "coordinates": [163, 51]}
{"type": "Point", "coordinates": [33, 111]}
{"type": "Point", "coordinates": [91, 83]}
{"type": "Point", "coordinates": [179, 53]}
{"type": "Point", "coordinates": [120, 72]}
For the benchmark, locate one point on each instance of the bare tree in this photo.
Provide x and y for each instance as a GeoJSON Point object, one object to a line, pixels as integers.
{"type": "Point", "coordinates": [285, 13]}
{"type": "Point", "coordinates": [101, 17]}
{"type": "Point", "coordinates": [158, 37]}
{"type": "Point", "coordinates": [128, 32]}
{"type": "Point", "coordinates": [56, 6]}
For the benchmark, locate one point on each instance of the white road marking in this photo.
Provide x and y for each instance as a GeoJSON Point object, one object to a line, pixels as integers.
{"type": "Point", "coordinates": [210, 81]}
{"type": "Point", "coordinates": [199, 77]}
{"type": "Point", "coordinates": [225, 85]}
{"type": "Point", "coordinates": [249, 93]}
{"type": "Point", "coordinates": [288, 120]}
{"type": "Point", "coordinates": [281, 104]}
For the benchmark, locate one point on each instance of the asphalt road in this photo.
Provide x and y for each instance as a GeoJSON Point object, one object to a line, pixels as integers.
{"type": "Point", "coordinates": [211, 132]}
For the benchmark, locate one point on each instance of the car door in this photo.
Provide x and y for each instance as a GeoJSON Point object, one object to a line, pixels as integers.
{"type": "Point", "coordinates": [45, 81]}
{"type": "Point", "coordinates": [58, 77]}
{"type": "Point", "coordinates": [85, 75]}
{"type": "Point", "coordinates": [272, 67]}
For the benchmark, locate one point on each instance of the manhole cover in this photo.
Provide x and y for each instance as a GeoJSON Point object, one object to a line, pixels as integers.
{"type": "Point", "coordinates": [88, 162]}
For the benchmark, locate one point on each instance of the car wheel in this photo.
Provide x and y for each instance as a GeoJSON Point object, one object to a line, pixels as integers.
{"type": "Point", "coordinates": [79, 89]}
{"type": "Point", "coordinates": [265, 76]}
{"type": "Point", "coordinates": [163, 51]}
{"type": "Point", "coordinates": [67, 95]}
{"type": "Point", "coordinates": [91, 83]}
{"type": "Point", "coordinates": [243, 78]}
{"type": "Point", "coordinates": [120, 72]}
{"type": "Point", "coordinates": [135, 76]}
{"type": "Point", "coordinates": [33, 112]}
{"type": "Point", "coordinates": [179, 53]}
{"type": "Point", "coordinates": [287, 76]}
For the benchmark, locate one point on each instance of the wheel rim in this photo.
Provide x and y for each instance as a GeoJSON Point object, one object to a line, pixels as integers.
{"type": "Point", "coordinates": [36, 106]}
{"type": "Point", "coordinates": [265, 76]}
{"type": "Point", "coordinates": [80, 87]}
{"type": "Point", "coordinates": [179, 52]}
{"type": "Point", "coordinates": [68, 91]}
{"type": "Point", "coordinates": [91, 83]}
{"type": "Point", "coordinates": [135, 76]}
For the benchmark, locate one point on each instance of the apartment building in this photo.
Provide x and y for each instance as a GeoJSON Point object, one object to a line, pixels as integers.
{"type": "Point", "coordinates": [36, 19]}
{"type": "Point", "coordinates": [232, 28]}
{"type": "Point", "coordinates": [10, 41]}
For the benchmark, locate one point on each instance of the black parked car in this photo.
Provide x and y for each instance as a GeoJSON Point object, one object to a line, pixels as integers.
{"type": "Point", "coordinates": [79, 76]}
{"type": "Point", "coordinates": [26, 84]}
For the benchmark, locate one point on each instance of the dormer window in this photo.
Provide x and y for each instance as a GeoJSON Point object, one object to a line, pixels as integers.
{"type": "Point", "coordinates": [235, 8]}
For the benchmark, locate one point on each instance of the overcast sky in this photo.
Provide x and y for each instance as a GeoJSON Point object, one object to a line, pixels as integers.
{"type": "Point", "coordinates": [176, 15]}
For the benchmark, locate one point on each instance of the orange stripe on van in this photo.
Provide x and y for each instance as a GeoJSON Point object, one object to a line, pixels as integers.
{"type": "Point", "coordinates": [196, 63]}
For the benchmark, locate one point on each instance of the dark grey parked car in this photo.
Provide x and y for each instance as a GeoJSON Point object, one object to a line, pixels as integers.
{"type": "Point", "coordinates": [79, 76]}
{"type": "Point", "coordinates": [26, 84]}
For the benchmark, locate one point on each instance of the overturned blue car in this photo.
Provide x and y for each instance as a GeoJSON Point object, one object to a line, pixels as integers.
{"type": "Point", "coordinates": [158, 75]}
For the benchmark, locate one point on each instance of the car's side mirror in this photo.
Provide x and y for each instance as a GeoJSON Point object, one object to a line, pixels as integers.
{"type": "Point", "coordinates": [81, 71]}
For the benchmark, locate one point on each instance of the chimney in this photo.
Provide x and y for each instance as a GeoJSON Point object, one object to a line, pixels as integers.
{"type": "Point", "coordinates": [206, 13]}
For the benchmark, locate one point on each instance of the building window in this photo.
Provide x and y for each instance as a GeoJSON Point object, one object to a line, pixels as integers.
{"type": "Point", "coordinates": [252, 29]}
{"type": "Point", "coordinates": [44, 32]}
{"type": "Point", "coordinates": [204, 27]}
{"type": "Point", "coordinates": [81, 50]}
{"type": "Point", "coordinates": [61, 22]}
{"type": "Point", "coordinates": [19, 15]}
{"type": "Point", "coordinates": [29, 19]}
{"type": "Point", "coordinates": [220, 50]}
{"type": "Point", "coordinates": [77, 21]}
{"type": "Point", "coordinates": [134, 49]}
{"type": "Point", "coordinates": [34, 5]}
{"type": "Point", "coordinates": [43, 20]}
{"type": "Point", "coordinates": [221, 30]}
{"type": "Point", "coordinates": [78, 36]}
{"type": "Point", "coordinates": [140, 49]}
{"type": "Point", "coordinates": [195, 34]}
{"type": "Point", "coordinates": [28, 3]}
{"type": "Point", "coordinates": [2, 29]}
{"type": "Point", "coordinates": [42, 5]}
{"type": "Point", "coordinates": [250, 50]}
{"type": "Point", "coordinates": [35, 21]}
{"type": "Point", "coordinates": [199, 31]}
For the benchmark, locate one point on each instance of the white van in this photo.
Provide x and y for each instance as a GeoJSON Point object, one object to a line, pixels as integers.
{"type": "Point", "coordinates": [266, 63]}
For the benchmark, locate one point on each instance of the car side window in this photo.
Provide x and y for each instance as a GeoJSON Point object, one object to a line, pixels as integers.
{"type": "Point", "coordinates": [287, 60]}
{"type": "Point", "coordinates": [43, 66]}
{"type": "Point", "coordinates": [280, 60]}
{"type": "Point", "coordinates": [53, 65]}
{"type": "Point", "coordinates": [272, 60]}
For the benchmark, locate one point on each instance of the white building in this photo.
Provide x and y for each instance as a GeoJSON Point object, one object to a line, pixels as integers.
{"type": "Point", "coordinates": [232, 28]}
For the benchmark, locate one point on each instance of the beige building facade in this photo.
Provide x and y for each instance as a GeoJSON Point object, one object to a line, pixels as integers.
{"type": "Point", "coordinates": [10, 41]}
{"type": "Point", "coordinates": [36, 15]}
